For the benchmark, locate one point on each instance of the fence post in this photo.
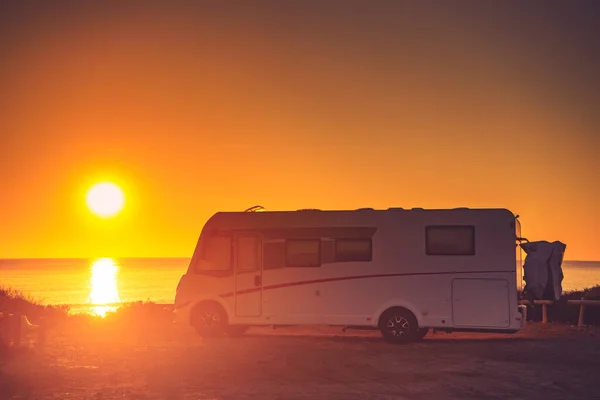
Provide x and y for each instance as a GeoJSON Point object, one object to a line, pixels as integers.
{"type": "Point", "coordinates": [581, 314]}
{"type": "Point", "coordinates": [544, 313]}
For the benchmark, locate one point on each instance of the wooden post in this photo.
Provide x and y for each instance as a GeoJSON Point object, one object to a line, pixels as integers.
{"type": "Point", "coordinates": [582, 303]}
{"type": "Point", "coordinates": [544, 313]}
{"type": "Point", "coordinates": [545, 304]}
{"type": "Point", "coordinates": [581, 314]}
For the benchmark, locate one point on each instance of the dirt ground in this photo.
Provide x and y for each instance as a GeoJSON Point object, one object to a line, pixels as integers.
{"type": "Point", "coordinates": [542, 362]}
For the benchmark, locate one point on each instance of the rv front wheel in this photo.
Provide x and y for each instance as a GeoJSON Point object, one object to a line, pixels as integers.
{"type": "Point", "coordinates": [209, 319]}
{"type": "Point", "coordinates": [398, 325]}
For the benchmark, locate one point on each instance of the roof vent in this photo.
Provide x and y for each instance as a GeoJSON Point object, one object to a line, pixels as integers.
{"type": "Point", "coordinates": [254, 209]}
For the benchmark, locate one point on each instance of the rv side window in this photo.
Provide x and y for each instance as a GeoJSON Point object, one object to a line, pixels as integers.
{"type": "Point", "coordinates": [217, 253]}
{"type": "Point", "coordinates": [303, 253]}
{"type": "Point", "coordinates": [274, 255]}
{"type": "Point", "coordinates": [450, 240]}
{"type": "Point", "coordinates": [353, 250]}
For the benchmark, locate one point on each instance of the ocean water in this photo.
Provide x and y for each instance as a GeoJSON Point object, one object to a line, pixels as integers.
{"type": "Point", "coordinates": [97, 285]}
{"type": "Point", "coordinates": [94, 284]}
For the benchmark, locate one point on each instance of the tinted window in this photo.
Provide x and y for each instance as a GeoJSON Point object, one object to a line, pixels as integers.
{"type": "Point", "coordinates": [450, 240]}
{"type": "Point", "coordinates": [303, 253]}
{"type": "Point", "coordinates": [217, 254]}
{"type": "Point", "coordinates": [353, 250]}
{"type": "Point", "coordinates": [274, 255]}
{"type": "Point", "coordinates": [248, 253]}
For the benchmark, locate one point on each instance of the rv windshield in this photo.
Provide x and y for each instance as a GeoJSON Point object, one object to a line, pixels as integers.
{"type": "Point", "coordinates": [216, 254]}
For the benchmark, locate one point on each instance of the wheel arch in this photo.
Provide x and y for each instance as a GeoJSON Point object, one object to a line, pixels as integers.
{"type": "Point", "coordinates": [398, 304]}
{"type": "Point", "coordinates": [210, 300]}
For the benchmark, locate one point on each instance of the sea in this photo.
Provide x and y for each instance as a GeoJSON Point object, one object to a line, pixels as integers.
{"type": "Point", "coordinates": [99, 285]}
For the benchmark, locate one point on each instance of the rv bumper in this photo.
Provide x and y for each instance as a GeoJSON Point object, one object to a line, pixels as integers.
{"type": "Point", "coordinates": [522, 316]}
{"type": "Point", "coordinates": [181, 313]}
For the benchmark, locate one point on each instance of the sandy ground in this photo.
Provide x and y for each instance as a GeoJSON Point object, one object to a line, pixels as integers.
{"type": "Point", "coordinates": [543, 362]}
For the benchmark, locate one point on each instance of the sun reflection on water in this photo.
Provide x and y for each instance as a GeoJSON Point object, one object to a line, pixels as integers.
{"type": "Point", "coordinates": [104, 293]}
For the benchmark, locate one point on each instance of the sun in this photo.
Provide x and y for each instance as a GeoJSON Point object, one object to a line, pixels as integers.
{"type": "Point", "coordinates": [105, 199]}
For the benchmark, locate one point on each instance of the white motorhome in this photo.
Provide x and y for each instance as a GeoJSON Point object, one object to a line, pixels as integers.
{"type": "Point", "coordinates": [397, 270]}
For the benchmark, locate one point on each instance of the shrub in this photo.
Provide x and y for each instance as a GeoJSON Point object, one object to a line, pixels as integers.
{"type": "Point", "coordinates": [13, 301]}
{"type": "Point", "coordinates": [563, 312]}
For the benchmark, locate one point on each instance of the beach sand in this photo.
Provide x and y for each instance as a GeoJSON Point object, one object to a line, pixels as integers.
{"type": "Point", "coordinates": [542, 362]}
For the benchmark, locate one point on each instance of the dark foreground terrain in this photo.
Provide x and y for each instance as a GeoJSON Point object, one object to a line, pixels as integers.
{"type": "Point", "coordinates": [543, 362]}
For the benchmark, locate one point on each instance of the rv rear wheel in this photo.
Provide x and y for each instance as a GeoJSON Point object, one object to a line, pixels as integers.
{"type": "Point", "coordinates": [398, 325]}
{"type": "Point", "coordinates": [209, 319]}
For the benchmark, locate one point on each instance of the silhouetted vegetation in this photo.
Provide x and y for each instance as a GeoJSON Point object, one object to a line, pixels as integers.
{"type": "Point", "coordinates": [562, 312]}
{"type": "Point", "coordinates": [147, 318]}
{"type": "Point", "coordinates": [139, 320]}
{"type": "Point", "coordinates": [13, 301]}
{"type": "Point", "coordinates": [133, 321]}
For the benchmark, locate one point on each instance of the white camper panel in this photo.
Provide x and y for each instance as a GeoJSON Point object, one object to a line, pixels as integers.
{"type": "Point", "coordinates": [452, 269]}
{"type": "Point", "coordinates": [478, 303]}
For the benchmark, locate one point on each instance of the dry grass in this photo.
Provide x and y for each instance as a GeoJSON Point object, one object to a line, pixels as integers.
{"type": "Point", "coordinates": [15, 301]}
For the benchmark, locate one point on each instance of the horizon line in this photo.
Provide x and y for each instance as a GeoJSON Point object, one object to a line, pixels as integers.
{"type": "Point", "coordinates": [164, 257]}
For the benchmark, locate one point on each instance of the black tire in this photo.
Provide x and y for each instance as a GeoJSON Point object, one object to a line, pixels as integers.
{"type": "Point", "coordinates": [398, 325]}
{"type": "Point", "coordinates": [236, 330]}
{"type": "Point", "coordinates": [209, 319]}
{"type": "Point", "coordinates": [421, 333]}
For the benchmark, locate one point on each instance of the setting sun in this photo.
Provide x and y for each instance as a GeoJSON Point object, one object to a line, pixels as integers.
{"type": "Point", "coordinates": [105, 199]}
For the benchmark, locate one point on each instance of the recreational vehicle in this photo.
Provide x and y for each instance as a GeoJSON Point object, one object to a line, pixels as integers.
{"type": "Point", "coordinates": [401, 271]}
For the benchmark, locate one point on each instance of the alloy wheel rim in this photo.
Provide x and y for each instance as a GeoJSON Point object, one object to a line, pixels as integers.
{"type": "Point", "coordinates": [398, 326]}
{"type": "Point", "coordinates": [209, 319]}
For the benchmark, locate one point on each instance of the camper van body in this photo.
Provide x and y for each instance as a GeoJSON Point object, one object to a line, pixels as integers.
{"type": "Point", "coordinates": [450, 269]}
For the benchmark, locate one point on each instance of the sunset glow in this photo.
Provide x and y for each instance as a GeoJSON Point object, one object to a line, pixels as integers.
{"type": "Point", "coordinates": [105, 199]}
{"type": "Point", "coordinates": [403, 106]}
{"type": "Point", "coordinates": [104, 293]}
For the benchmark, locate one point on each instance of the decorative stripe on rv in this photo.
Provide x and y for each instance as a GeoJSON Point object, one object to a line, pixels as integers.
{"type": "Point", "coordinates": [345, 278]}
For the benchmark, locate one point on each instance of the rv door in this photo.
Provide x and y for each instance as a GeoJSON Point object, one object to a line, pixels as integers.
{"type": "Point", "coordinates": [248, 274]}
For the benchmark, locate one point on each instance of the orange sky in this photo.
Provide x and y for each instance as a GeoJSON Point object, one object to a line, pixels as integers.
{"type": "Point", "coordinates": [194, 111]}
